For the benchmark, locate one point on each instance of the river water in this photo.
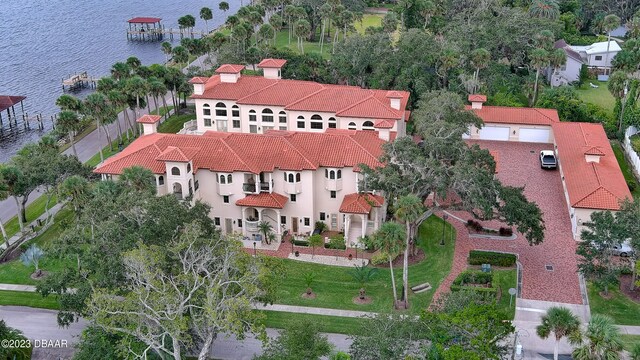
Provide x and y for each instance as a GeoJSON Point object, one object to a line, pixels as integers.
{"type": "Point", "coordinates": [43, 41]}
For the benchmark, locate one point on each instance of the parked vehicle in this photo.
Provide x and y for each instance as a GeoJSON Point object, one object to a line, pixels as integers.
{"type": "Point", "coordinates": [548, 159]}
{"type": "Point", "coordinates": [622, 250]}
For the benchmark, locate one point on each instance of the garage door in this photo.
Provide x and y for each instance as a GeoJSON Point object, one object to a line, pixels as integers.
{"type": "Point", "coordinates": [494, 133]}
{"type": "Point", "coordinates": [534, 135]}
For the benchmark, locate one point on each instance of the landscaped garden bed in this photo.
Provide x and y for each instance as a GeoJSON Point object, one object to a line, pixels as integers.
{"type": "Point", "coordinates": [475, 227]}
{"type": "Point", "coordinates": [478, 257]}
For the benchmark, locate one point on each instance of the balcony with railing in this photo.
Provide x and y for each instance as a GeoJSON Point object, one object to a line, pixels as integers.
{"type": "Point", "coordinates": [251, 225]}
{"type": "Point", "coordinates": [292, 188]}
{"type": "Point", "coordinates": [333, 184]}
{"type": "Point", "coordinates": [254, 188]}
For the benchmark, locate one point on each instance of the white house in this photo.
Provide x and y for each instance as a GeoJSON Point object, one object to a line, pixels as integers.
{"type": "Point", "coordinates": [594, 56]}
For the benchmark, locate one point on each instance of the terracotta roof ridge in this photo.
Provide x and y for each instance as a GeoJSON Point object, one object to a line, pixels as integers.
{"type": "Point", "coordinates": [371, 95]}
{"type": "Point", "coordinates": [322, 88]}
{"type": "Point", "coordinates": [259, 90]}
{"type": "Point", "coordinates": [224, 142]}
{"type": "Point", "coordinates": [115, 158]}
{"type": "Point", "coordinates": [541, 113]}
{"type": "Point", "coordinates": [601, 187]}
{"type": "Point", "coordinates": [360, 145]}
{"type": "Point", "coordinates": [595, 171]}
{"type": "Point", "coordinates": [584, 137]}
{"type": "Point", "coordinates": [295, 148]}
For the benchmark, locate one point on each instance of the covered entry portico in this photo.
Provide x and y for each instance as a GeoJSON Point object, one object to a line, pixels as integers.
{"type": "Point", "coordinates": [261, 207]}
{"type": "Point", "coordinates": [362, 214]}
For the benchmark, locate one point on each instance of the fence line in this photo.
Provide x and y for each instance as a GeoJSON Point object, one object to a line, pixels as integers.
{"type": "Point", "coordinates": [633, 157]}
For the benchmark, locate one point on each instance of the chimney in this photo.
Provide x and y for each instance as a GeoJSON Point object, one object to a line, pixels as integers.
{"type": "Point", "coordinates": [149, 124]}
{"type": "Point", "coordinates": [593, 154]}
{"type": "Point", "coordinates": [229, 73]}
{"type": "Point", "coordinates": [198, 85]}
{"type": "Point", "coordinates": [477, 100]}
{"type": "Point", "coordinates": [395, 98]}
{"type": "Point", "coordinates": [272, 68]}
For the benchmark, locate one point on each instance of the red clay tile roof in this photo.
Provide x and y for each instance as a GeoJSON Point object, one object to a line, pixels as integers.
{"type": "Point", "coordinates": [7, 101]}
{"type": "Point", "coordinates": [343, 100]}
{"type": "Point", "coordinates": [592, 185]}
{"type": "Point", "coordinates": [149, 119]}
{"type": "Point", "coordinates": [229, 69]}
{"type": "Point", "coordinates": [272, 63]}
{"type": "Point", "coordinates": [360, 203]}
{"type": "Point", "coordinates": [516, 115]}
{"type": "Point", "coordinates": [477, 98]}
{"type": "Point", "coordinates": [144, 20]}
{"type": "Point", "coordinates": [264, 200]}
{"type": "Point", "coordinates": [198, 80]}
{"type": "Point", "coordinates": [255, 153]}
{"type": "Point", "coordinates": [394, 94]}
{"type": "Point", "coordinates": [594, 150]}
{"type": "Point", "coordinates": [383, 124]}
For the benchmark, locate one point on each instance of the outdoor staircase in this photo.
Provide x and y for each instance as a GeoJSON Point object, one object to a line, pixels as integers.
{"type": "Point", "coordinates": [355, 231]}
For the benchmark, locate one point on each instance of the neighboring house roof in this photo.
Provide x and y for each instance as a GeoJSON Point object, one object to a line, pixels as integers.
{"type": "Point", "coordinates": [272, 63]}
{"type": "Point", "coordinates": [477, 98]}
{"type": "Point", "coordinates": [255, 153]}
{"type": "Point", "coordinates": [298, 95]}
{"type": "Point", "coordinates": [620, 31]}
{"type": "Point", "coordinates": [561, 44]}
{"type": "Point", "coordinates": [592, 185]}
{"type": "Point", "coordinates": [198, 80]}
{"type": "Point", "coordinates": [149, 119]}
{"type": "Point", "coordinates": [357, 203]}
{"type": "Point", "coordinates": [264, 200]}
{"type": "Point", "coordinates": [516, 115]}
{"type": "Point", "coordinates": [598, 48]}
{"type": "Point", "coordinates": [229, 69]}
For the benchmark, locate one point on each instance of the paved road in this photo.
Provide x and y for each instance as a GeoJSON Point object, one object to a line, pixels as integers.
{"type": "Point", "coordinates": [41, 324]}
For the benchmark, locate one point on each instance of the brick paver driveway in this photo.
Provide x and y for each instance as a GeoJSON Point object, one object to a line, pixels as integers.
{"type": "Point", "coordinates": [519, 165]}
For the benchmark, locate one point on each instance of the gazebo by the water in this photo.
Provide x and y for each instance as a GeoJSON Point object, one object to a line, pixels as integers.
{"type": "Point", "coordinates": [8, 103]}
{"type": "Point", "coordinates": [144, 28]}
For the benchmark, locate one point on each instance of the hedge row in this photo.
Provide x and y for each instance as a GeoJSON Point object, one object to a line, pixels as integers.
{"type": "Point", "coordinates": [477, 257]}
{"type": "Point", "coordinates": [473, 277]}
{"type": "Point", "coordinates": [490, 293]}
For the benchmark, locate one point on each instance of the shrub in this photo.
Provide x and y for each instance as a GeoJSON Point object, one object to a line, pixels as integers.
{"type": "Point", "coordinates": [473, 277]}
{"type": "Point", "coordinates": [631, 184]}
{"type": "Point", "coordinates": [301, 242]}
{"type": "Point", "coordinates": [475, 225]}
{"type": "Point", "coordinates": [367, 241]}
{"type": "Point", "coordinates": [477, 257]}
{"type": "Point", "coordinates": [337, 242]}
{"type": "Point", "coordinates": [320, 226]}
{"type": "Point", "coordinates": [489, 293]}
{"type": "Point", "coordinates": [505, 231]}
{"type": "Point", "coordinates": [379, 258]}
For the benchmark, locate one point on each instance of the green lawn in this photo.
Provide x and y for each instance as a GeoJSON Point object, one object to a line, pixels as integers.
{"type": "Point", "coordinates": [21, 298]}
{"type": "Point", "coordinates": [625, 167]}
{"type": "Point", "coordinates": [600, 96]}
{"type": "Point", "coordinates": [329, 324]}
{"type": "Point", "coordinates": [335, 288]}
{"type": "Point", "coordinates": [506, 279]}
{"type": "Point", "coordinates": [368, 20]}
{"type": "Point", "coordinates": [34, 210]}
{"type": "Point", "coordinates": [623, 310]}
{"type": "Point", "coordinates": [174, 123]}
{"type": "Point", "coordinates": [630, 341]}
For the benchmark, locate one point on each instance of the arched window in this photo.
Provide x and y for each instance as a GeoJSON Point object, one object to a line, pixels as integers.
{"type": "Point", "coordinates": [300, 123]}
{"type": "Point", "coordinates": [367, 125]}
{"type": "Point", "coordinates": [267, 115]}
{"type": "Point", "coordinates": [290, 177]}
{"type": "Point", "coordinates": [316, 122]}
{"type": "Point", "coordinates": [206, 109]}
{"type": "Point", "coordinates": [351, 126]}
{"type": "Point", "coordinates": [188, 167]}
{"type": "Point", "coordinates": [339, 174]}
{"type": "Point", "coordinates": [282, 117]}
{"type": "Point", "coordinates": [326, 173]}
{"type": "Point", "coordinates": [332, 175]}
{"type": "Point", "coordinates": [332, 123]}
{"type": "Point", "coordinates": [175, 171]}
{"type": "Point", "coordinates": [229, 179]}
{"type": "Point", "coordinates": [221, 110]}
{"type": "Point", "coordinates": [223, 179]}
{"type": "Point", "coordinates": [252, 115]}
{"type": "Point", "coordinates": [235, 116]}
{"type": "Point", "coordinates": [298, 177]}
{"type": "Point", "coordinates": [160, 180]}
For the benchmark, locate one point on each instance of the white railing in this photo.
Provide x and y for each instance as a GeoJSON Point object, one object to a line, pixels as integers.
{"type": "Point", "coordinates": [251, 226]}
{"type": "Point", "coordinates": [633, 157]}
{"type": "Point", "coordinates": [188, 127]}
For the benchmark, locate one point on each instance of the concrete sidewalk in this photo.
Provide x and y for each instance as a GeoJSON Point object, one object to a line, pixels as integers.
{"type": "Point", "coordinates": [314, 310]}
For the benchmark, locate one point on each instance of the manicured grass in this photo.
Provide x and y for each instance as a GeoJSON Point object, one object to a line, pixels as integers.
{"type": "Point", "coordinates": [625, 167]}
{"type": "Point", "coordinates": [162, 110]}
{"type": "Point", "coordinates": [15, 272]}
{"type": "Point", "coordinates": [328, 324]}
{"type": "Point", "coordinates": [174, 123]}
{"type": "Point", "coordinates": [506, 279]}
{"type": "Point", "coordinates": [368, 20]}
{"type": "Point", "coordinates": [635, 142]}
{"type": "Point", "coordinates": [335, 288]}
{"type": "Point", "coordinates": [34, 210]}
{"type": "Point", "coordinates": [599, 96]}
{"type": "Point", "coordinates": [630, 341]}
{"type": "Point", "coordinates": [623, 310]}
{"type": "Point", "coordinates": [22, 298]}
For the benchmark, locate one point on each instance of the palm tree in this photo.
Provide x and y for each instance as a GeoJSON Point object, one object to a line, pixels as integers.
{"type": "Point", "coordinates": [206, 14]}
{"type": "Point", "coordinates": [69, 122]}
{"type": "Point", "coordinates": [137, 87]}
{"type": "Point", "coordinates": [479, 59]}
{"type": "Point", "coordinates": [448, 59]}
{"type": "Point", "coordinates": [265, 33]}
{"type": "Point", "coordinates": [68, 102]}
{"type": "Point", "coordinates": [180, 54]}
{"type": "Point", "coordinates": [76, 189]}
{"type": "Point", "coordinates": [134, 63]}
{"type": "Point", "coordinates": [409, 209]}
{"type": "Point", "coordinates": [157, 88]}
{"type": "Point", "coordinates": [390, 239]}
{"type": "Point", "coordinates": [363, 274]}
{"type": "Point", "coordinates": [302, 30]}
{"type": "Point", "coordinates": [276, 21]}
{"type": "Point", "coordinates": [4, 194]}
{"type": "Point", "coordinates": [138, 178]}
{"type": "Point", "coordinates": [96, 107]}
{"type": "Point", "coordinates": [557, 58]}
{"type": "Point", "coordinates": [611, 22]}
{"type": "Point", "coordinates": [106, 84]}
{"type": "Point", "coordinates": [390, 23]}
{"type": "Point", "coordinates": [265, 228]}
{"type": "Point", "coordinates": [325, 14]}
{"type": "Point", "coordinates": [601, 340]}
{"type": "Point", "coordinates": [561, 322]}
{"type": "Point", "coordinates": [539, 60]}
{"type": "Point", "coordinates": [548, 9]}
{"type": "Point", "coordinates": [224, 6]}
{"type": "Point", "coordinates": [118, 99]}
{"type": "Point", "coordinates": [120, 71]}
{"type": "Point", "coordinates": [166, 49]}
{"type": "Point", "coordinates": [427, 10]}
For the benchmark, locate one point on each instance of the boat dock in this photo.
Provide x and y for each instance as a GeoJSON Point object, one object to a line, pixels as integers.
{"type": "Point", "coordinates": [11, 123]}
{"type": "Point", "coordinates": [79, 81]}
{"type": "Point", "coordinates": [150, 29]}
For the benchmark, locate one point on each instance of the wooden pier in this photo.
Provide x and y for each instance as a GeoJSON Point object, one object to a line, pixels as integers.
{"type": "Point", "coordinates": [150, 29]}
{"type": "Point", "coordinates": [79, 81]}
{"type": "Point", "coordinates": [12, 123]}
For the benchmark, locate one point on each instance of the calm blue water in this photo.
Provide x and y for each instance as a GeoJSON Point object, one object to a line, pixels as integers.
{"type": "Point", "coordinates": [42, 41]}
